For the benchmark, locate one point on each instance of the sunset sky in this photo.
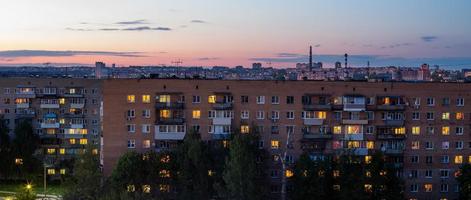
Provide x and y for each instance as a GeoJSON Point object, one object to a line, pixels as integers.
{"type": "Point", "coordinates": [236, 32]}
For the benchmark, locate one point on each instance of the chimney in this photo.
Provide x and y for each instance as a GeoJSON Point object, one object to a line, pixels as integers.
{"type": "Point", "coordinates": [310, 57]}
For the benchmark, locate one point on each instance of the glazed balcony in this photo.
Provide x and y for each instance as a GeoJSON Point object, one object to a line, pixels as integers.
{"type": "Point", "coordinates": [223, 106]}
{"type": "Point", "coordinates": [222, 121]}
{"type": "Point", "coordinates": [394, 122]}
{"type": "Point", "coordinates": [170, 105]}
{"type": "Point", "coordinates": [388, 136]}
{"type": "Point", "coordinates": [170, 121]}
{"type": "Point", "coordinates": [313, 121]}
{"type": "Point", "coordinates": [50, 125]}
{"type": "Point", "coordinates": [314, 102]}
{"type": "Point", "coordinates": [169, 135]}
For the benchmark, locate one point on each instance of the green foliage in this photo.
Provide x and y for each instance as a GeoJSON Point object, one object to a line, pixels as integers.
{"type": "Point", "coordinates": [464, 181]}
{"type": "Point", "coordinates": [5, 150]}
{"type": "Point", "coordinates": [24, 146]}
{"type": "Point", "coordinates": [134, 171]}
{"type": "Point", "coordinates": [312, 178]}
{"type": "Point", "coordinates": [25, 194]}
{"type": "Point", "coordinates": [85, 182]}
{"type": "Point", "coordinates": [194, 165]}
{"type": "Point", "coordinates": [243, 177]}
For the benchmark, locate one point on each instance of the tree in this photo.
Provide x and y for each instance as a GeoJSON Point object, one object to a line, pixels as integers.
{"type": "Point", "coordinates": [194, 169]}
{"type": "Point", "coordinates": [25, 193]}
{"type": "Point", "coordinates": [385, 184]}
{"type": "Point", "coordinates": [143, 176]}
{"type": "Point", "coordinates": [312, 179]}
{"type": "Point", "coordinates": [244, 178]}
{"type": "Point", "coordinates": [85, 182]}
{"type": "Point", "coordinates": [351, 177]}
{"type": "Point", "coordinates": [464, 181]}
{"type": "Point", "coordinates": [25, 144]}
{"type": "Point", "coordinates": [5, 150]}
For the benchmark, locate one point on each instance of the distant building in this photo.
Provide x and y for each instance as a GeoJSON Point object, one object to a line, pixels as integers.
{"type": "Point", "coordinates": [257, 66]}
{"type": "Point", "coordinates": [338, 64]}
{"type": "Point", "coordinates": [100, 68]}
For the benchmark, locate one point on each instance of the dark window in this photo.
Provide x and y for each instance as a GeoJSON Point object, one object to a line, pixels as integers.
{"type": "Point", "coordinates": [244, 99]}
{"type": "Point", "coordinates": [290, 100]}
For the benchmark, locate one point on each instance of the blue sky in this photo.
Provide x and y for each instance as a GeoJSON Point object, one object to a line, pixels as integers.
{"type": "Point", "coordinates": [223, 32]}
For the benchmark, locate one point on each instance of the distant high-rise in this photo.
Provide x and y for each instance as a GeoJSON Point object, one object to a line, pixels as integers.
{"type": "Point", "coordinates": [338, 64]}
{"type": "Point", "coordinates": [99, 69]}
{"type": "Point", "coordinates": [346, 60]}
{"type": "Point", "coordinates": [310, 57]}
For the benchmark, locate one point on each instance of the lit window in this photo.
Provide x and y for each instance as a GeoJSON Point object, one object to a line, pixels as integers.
{"type": "Point", "coordinates": [416, 130]}
{"type": "Point", "coordinates": [353, 129]}
{"type": "Point", "coordinates": [146, 188]}
{"type": "Point", "coordinates": [445, 116]}
{"type": "Point", "coordinates": [321, 115]}
{"type": "Point", "coordinates": [275, 144]}
{"type": "Point", "coordinates": [131, 99]}
{"type": "Point", "coordinates": [459, 116]}
{"type": "Point", "coordinates": [61, 121]}
{"type": "Point", "coordinates": [244, 129]}
{"type": "Point", "coordinates": [353, 144]}
{"type": "Point", "coordinates": [368, 188]}
{"type": "Point", "coordinates": [428, 187]}
{"type": "Point", "coordinates": [164, 113]}
{"type": "Point", "coordinates": [289, 173]}
{"type": "Point", "coordinates": [370, 144]}
{"type": "Point", "coordinates": [62, 101]}
{"type": "Point", "coordinates": [196, 114]}
{"type": "Point", "coordinates": [337, 130]}
{"type": "Point", "coordinates": [83, 141]}
{"type": "Point", "coordinates": [336, 173]}
{"type": "Point", "coordinates": [51, 151]}
{"type": "Point", "coordinates": [164, 173]}
{"type": "Point", "coordinates": [415, 145]}
{"type": "Point", "coordinates": [212, 99]}
{"type": "Point", "coordinates": [72, 141]}
{"type": "Point", "coordinates": [210, 172]}
{"type": "Point", "coordinates": [51, 171]}
{"type": "Point", "coordinates": [446, 130]}
{"type": "Point", "coordinates": [458, 159]}
{"type": "Point", "coordinates": [146, 98]}
{"type": "Point", "coordinates": [62, 151]}
{"type": "Point", "coordinates": [19, 161]}
{"type": "Point", "coordinates": [367, 159]}
{"type": "Point", "coordinates": [164, 98]}
{"type": "Point", "coordinates": [62, 171]}
{"type": "Point", "coordinates": [146, 144]}
{"type": "Point", "coordinates": [131, 188]}
{"type": "Point", "coordinates": [164, 188]}
{"type": "Point", "coordinates": [400, 131]}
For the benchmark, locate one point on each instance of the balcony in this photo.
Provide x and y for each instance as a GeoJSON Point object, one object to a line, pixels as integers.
{"type": "Point", "coordinates": [50, 125]}
{"type": "Point", "coordinates": [360, 151]}
{"type": "Point", "coordinates": [25, 115]}
{"type": "Point", "coordinates": [221, 136]}
{"type": "Point", "coordinates": [355, 121]}
{"type": "Point", "coordinates": [73, 136]}
{"type": "Point", "coordinates": [22, 105]}
{"type": "Point", "coordinates": [354, 107]}
{"type": "Point", "coordinates": [358, 136]}
{"type": "Point", "coordinates": [395, 165]}
{"type": "Point", "coordinates": [73, 92]}
{"type": "Point", "coordinates": [73, 115]}
{"type": "Point", "coordinates": [78, 105]}
{"type": "Point", "coordinates": [168, 135]}
{"type": "Point", "coordinates": [25, 92]}
{"type": "Point", "coordinates": [387, 136]}
{"type": "Point", "coordinates": [390, 122]}
{"type": "Point", "coordinates": [314, 107]}
{"type": "Point", "coordinates": [169, 105]}
{"type": "Point", "coordinates": [76, 125]}
{"type": "Point", "coordinates": [313, 121]}
{"type": "Point", "coordinates": [49, 105]}
{"type": "Point", "coordinates": [170, 121]}
{"type": "Point", "coordinates": [47, 136]}
{"type": "Point", "coordinates": [222, 106]}
{"type": "Point", "coordinates": [394, 151]}
{"type": "Point", "coordinates": [222, 121]}
{"type": "Point", "coordinates": [391, 107]}
{"type": "Point", "coordinates": [316, 136]}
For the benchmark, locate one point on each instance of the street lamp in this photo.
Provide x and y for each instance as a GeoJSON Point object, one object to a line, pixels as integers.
{"type": "Point", "coordinates": [29, 186]}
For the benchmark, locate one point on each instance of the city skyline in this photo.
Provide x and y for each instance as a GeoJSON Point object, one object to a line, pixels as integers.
{"type": "Point", "coordinates": [400, 33]}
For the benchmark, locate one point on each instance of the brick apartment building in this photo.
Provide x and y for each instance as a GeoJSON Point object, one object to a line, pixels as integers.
{"type": "Point", "coordinates": [423, 128]}
{"type": "Point", "coordinates": [64, 112]}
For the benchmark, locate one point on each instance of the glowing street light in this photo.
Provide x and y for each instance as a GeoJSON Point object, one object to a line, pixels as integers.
{"type": "Point", "coordinates": [29, 186]}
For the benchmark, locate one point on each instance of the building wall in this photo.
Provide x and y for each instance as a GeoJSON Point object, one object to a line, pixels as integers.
{"type": "Point", "coordinates": [87, 101]}
{"type": "Point", "coordinates": [116, 135]}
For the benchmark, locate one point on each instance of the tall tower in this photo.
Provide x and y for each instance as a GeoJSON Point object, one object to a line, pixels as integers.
{"type": "Point", "coordinates": [346, 60]}
{"type": "Point", "coordinates": [310, 57]}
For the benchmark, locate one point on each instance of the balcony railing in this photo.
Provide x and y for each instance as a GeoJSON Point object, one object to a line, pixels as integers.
{"type": "Point", "coordinates": [22, 105]}
{"type": "Point", "coordinates": [169, 105]}
{"type": "Point", "coordinates": [386, 136]}
{"type": "Point", "coordinates": [316, 136]}
{"type": "Point", "coordinates": [312, 107]}
{"type": "Point", "coordinates": [168, 135]}
{"type": "Point", "coordinates": [391, 107]}
{"type": "Point", "coordinates": [354, 107]}
{"type": "Point", "coordinates": [313, 121]}
{"type": "Point", "coordinates": [78, 105]}
{"type": "Point", "coordinates": [50, 125]}
{"type": "Point", "coordinates": [355, 121]}
{"type": "Point", "coordinates": [394, 151]}
{"type": "Point", "coordinates": [222, 106]}
{"type": "Point", "coordinates": [49, 105]}
{"type": "Point", "coordinates": [222, 121]}
{"type": "Point", "coordinates": [357, 136]}
{"type": "Point", "coordinates": [390, 122]}
{"type": "Point", "coordinates": [173, 121]}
